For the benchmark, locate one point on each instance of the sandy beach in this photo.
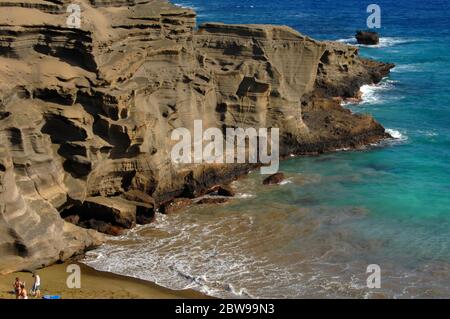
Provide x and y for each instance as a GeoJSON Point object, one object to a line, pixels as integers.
{"type": "Point", "coordinates": [94, 285]}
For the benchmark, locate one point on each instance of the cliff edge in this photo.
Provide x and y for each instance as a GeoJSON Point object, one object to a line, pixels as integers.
{"type": "Point", "coordinates": [86, 113]}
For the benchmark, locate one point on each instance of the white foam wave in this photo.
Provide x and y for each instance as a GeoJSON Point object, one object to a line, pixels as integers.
{"type": "Point", "coordinates": [187, 5]}
{"type": "Point", "coordinates": [179, 255]}
{"type": "Point", "coordinates": [390, 42]}
{"type": "Point", "coordinates": [174, 255]}
{"type": "Point", "coordinates": [406, 68]}
{"type": "Point", "coordinates": [241, 292]}
{"type": "Point", "coordinates": [148, 266]}
{"type": "Point", "coordinates": [385, 42]}
{"type": "Point", "coordinates": [245, 195]}
{"type": "Point", "coordinates": [245, 6]}
{"type": "Point", "coordinates": [397, 135]}
{"type": "Point", "coordinates": [429, 133]}
{"type": "Point", "coordinates": [371, 94]}
{"type": "Point", "coordinates": [286, 181]}
{"type": "Point", "coordinates": [347, 41]}
{"type": "Point", "coordinates": [368, 93]}
{"type": "Point", "coordinates": [343, 149]}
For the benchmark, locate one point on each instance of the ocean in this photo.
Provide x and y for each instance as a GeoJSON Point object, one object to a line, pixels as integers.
{"type": "Point", "coordinates": [315, 235]}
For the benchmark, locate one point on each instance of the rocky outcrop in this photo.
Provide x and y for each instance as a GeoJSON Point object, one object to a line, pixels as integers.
{"type": "Point", "coordinates": [367, 37]}
{"type": "Point", "coordinates": [276, 178]}
{"type": "Point", "coordinates": [175, 205]}
{"type": "Point", "coordinates": [226, 191]}
{"type": "Point", "coordinates": [110, 215]}
{"type": "Point", "coordinates": [86, 114]}
{"type": "Point", "coordinates": [212, 200]}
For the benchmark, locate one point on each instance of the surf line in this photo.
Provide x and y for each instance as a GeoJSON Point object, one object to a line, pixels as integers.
{"type": "Point", "coordinates": [186, 309]}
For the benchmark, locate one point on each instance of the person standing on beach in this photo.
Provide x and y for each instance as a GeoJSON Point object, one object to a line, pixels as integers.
{"type": "Point", "coordinates": [23, 292]}
{"type": "Point", "coordinates": [36, 290]}
{"type": "Point", "coordinates": [17, 288]}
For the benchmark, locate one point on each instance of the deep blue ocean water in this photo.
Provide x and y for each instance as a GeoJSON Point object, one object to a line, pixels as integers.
{"type": "Point", "coordinates": [338, 213]}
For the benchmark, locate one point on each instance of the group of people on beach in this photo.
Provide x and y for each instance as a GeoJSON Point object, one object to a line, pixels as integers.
{"type": "Point", "coordinates": [22, 293]}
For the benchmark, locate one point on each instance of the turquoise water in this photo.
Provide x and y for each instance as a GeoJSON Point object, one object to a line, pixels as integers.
{"type": "Point", "coordinates": [315, 235]}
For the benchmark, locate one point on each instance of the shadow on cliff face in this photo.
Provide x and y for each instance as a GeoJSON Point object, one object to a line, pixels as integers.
{"type": "Point", "coordinates": [53, 96]}
{"type": "Point", "coordinates": [18, 247]}
{"type": "Point", "coordinates": [106, 115]}
{"type": "Point", "coordinates": [75, 49]}
{"type": "Point", "coordinates": [66, 133]}
{"type": "Point", "coordinates": [109, 215]}
{"type": "Point", "coordinates": [61, 129]}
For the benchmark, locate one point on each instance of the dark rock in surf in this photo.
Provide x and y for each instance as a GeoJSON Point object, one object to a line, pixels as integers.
{"type": "Point", "coordinates": [107, 214]}
{"type": "Point", "coordinates": [213, 200]}
{"type": "Point", "coordinates": [102, 227]}
{"type": "Point", "coordinates": [367, 37]}
{"type": "Point", "coordinates": [276, 178]}
{"type": "Point", "coordinates": [225, 191]}
{"type": "Point", "coordinates": [175, 205]}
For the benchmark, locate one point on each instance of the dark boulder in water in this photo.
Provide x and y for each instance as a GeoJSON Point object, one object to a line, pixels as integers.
{"type": "Point", "coordinates": [367, 37]}
{"type": "Point", "coordinates": [175, 205]}
{"type": "Point", "coordinates": [213, 200]}
{"type": "Point", "coordinates": [276, 178]}
{"type": "Point", "coordinates": [225, 191]}
{"type": "Point", "coordinates": [103, 227]}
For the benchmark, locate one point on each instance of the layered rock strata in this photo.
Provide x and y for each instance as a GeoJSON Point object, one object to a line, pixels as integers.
{"type": "Point", "coordinates": [86, 114]}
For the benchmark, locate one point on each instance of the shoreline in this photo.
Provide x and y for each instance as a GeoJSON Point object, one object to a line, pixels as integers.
{"type": "Point", "coordinates": [94, 285]}
{"type": "Point", "coordinates": [114, 177]}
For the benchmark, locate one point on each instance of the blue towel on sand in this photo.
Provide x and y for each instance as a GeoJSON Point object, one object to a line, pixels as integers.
{"type": "Point", "coordinates": [51, 297]}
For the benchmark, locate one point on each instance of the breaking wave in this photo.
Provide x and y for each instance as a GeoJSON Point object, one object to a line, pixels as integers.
{"type": "Point", "coordinates": [397, 135]}
{"type": "Point", "coordinates": [373, 93]}
{"type": "Point", "coordinates": [385, 42]}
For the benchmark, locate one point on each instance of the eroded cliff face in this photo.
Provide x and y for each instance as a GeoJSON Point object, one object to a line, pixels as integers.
{"type": "Point", "coordinates": [86, 114]}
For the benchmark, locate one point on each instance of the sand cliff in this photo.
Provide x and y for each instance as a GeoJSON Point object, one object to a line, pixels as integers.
{"type": "Point", "coordinates": [86, 114]}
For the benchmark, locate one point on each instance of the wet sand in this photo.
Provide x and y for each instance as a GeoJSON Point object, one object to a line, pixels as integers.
{"type": "Point", "coordinates": [94, 285]}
